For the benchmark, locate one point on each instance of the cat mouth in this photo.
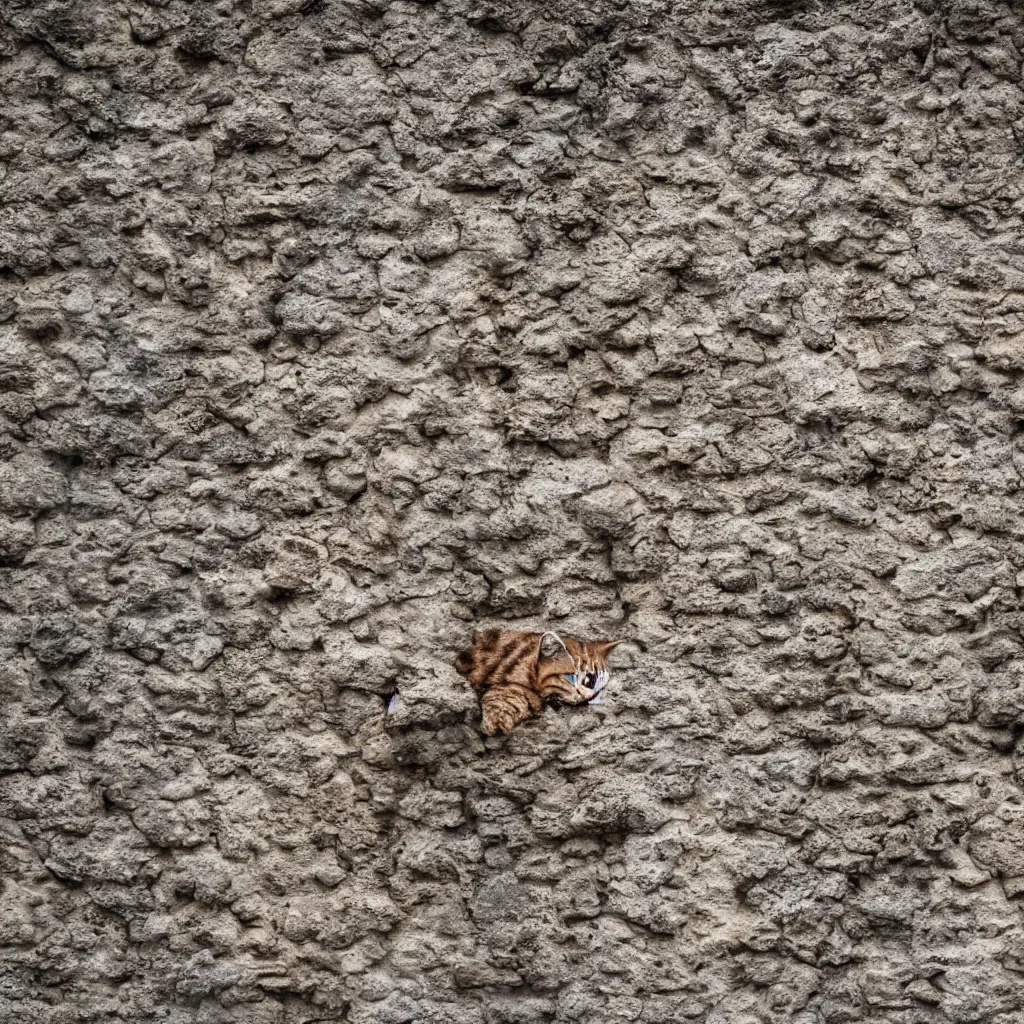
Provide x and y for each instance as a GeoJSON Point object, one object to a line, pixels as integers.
{"type": "Point", "coordinates": [590, 684]}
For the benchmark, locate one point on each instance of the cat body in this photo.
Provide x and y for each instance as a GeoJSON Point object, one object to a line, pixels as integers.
{"type": "Point", "coordinates": [515, 673]}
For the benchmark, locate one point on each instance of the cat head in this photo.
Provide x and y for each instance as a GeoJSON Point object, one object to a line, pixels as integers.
{"type": "Point", "coordinates": [579, 660]}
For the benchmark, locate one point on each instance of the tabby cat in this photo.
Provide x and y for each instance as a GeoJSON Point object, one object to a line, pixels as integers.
{"type": "Point", "coordinates": [515, 673]}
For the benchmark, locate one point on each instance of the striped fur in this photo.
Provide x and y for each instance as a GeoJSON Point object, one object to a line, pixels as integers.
{"type": "Point", "coordinates": [516, 673]}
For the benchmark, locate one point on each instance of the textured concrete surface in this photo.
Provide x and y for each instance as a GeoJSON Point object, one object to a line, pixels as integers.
{"type": "Point", "coordinates": [333, 329]}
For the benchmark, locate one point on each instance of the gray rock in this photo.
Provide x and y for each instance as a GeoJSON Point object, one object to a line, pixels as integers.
{"type": "Point", "coordinates": [330, 332]}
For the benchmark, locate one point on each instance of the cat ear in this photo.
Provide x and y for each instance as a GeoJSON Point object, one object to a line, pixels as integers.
{"type": "Point", "coordinates": [606, 648]}
{"type": "Point", "coordinates": [550, 646]}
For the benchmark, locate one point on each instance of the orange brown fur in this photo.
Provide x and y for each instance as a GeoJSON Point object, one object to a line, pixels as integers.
{"type": "Point", "coordinates": [515, 677]}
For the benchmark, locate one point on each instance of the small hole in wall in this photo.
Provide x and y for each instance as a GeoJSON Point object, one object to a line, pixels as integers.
{"type": "Point", "coordinates": [486, 24]}
{"type": "Point", "coordinates": [85, 740]}
{"type": "Point", "coordinates": [44, 334]}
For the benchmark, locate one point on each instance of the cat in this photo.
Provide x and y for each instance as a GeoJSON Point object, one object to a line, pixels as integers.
{"type": "Point", "coordinates": [515, 673]}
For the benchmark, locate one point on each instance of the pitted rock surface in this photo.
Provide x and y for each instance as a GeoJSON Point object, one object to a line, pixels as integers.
{"type": "Point", "coordinates": [335, 329]}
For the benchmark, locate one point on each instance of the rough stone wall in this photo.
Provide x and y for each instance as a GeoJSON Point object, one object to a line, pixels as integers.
{"type": "Point", "coordinates": [332, 329]}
